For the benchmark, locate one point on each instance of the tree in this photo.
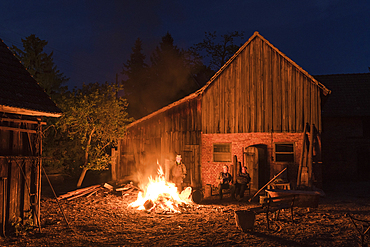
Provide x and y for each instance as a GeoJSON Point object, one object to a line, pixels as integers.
{"type": "Point", "coordinates": [40, 65]}
{"type": "Point", "coordinates": [93, 120]}
{"type": "Point", "coordinates": [170, 74]}
{"type": "Point", "coordinates": [218, 51]}
{"type": "Point", "coordinates": [42, 68]}
{"type": "Point", "coordinates": [136, 82]}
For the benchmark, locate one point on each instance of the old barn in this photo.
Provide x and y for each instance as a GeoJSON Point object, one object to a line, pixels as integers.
{"type": "Point", "coordinates": [23, 104]}
{"type": "Point", "coordinates": [257, 109]}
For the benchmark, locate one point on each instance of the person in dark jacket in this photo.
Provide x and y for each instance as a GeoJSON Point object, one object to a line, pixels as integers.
{"type": "Point", "coordinates": [242, 181]}
{"type": "Point", "coordinates": [225, 181]}
{"type": "Point", "coordinates": [178, 173]}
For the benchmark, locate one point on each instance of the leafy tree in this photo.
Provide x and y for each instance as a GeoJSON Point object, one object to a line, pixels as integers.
{"type": "Point", "coordinates": [136, 82]}
{"type": "Point", "coordinates": [40, 64]}
{"type": "Point", "coordinates": [93, 120]}
{"type": "Point", "coordinates": [93, 117]}
{"type": "Point", "coordinates": [218, 50]}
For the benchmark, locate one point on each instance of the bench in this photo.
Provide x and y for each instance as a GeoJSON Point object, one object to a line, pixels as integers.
{"type": "Point", "coordinates": [214, 190]}
{"type": "Point", "coordinates": [274, 205]}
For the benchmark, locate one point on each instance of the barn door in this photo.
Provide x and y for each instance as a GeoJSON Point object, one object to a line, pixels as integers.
{"type": "Point", "coordinates": [256, 163]}
{"type": "Point", "coordinates": [251, 162]}
{"type": "Point", "coordinates": [191, 160]}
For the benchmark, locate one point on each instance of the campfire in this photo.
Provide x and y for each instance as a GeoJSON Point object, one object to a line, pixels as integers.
{"type": "Point", "coordinates": [162, 194]}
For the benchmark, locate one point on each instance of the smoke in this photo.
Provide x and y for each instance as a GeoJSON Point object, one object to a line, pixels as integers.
{"type": "Point", "coordinates": [147, 167]}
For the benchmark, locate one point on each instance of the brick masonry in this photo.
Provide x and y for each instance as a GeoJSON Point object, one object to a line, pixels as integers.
{"type": "Point", "coordinates": [239, 141]}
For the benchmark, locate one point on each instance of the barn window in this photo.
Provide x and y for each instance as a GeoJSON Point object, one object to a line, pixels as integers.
{"type": "Point", "coordinates": [284, 152]}
{"type": "Point", "coordinates": [222, 152]}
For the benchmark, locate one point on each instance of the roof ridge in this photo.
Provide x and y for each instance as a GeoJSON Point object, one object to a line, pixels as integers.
{"type": "Point", "coordinates": [367, 73]}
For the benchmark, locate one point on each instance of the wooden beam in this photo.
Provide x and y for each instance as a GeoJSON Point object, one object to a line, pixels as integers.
{"type": "Point", "coordinates": [17, 129]}
{"type": "Point", "coordinates": [310, 155]}
{"type": "Point", "coordinates": [304, 143]}
{"type": "Point", "coordinates": [21, 121]}
{"type": "Point", "coordinates": [22, 111]}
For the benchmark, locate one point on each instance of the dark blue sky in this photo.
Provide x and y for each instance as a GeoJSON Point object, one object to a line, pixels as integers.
{"type": "Point", "coordinates": [92, 39]}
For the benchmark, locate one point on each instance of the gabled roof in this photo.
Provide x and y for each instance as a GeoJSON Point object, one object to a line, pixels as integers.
{"type": "Point", "coordinates": [202, 90]}
{"type": "Point", "coordinates": [350, 94]}
{"type": "Point", "coordinates": [19, 92]}
{"type": "Point", "coordinates": [256, 34]}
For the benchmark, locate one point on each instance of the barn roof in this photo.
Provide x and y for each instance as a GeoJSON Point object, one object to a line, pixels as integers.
{"type": "Point", "coordinates": [256, 34]}
{"type": "Point", "coordinates": [203, 89]}
{"type": "Point", "coordinates": [350, 94]}
{"type": "Point", "coordinates": [20, 93]}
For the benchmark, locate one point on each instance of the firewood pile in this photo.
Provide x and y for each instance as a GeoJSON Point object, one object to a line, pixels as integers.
{"type": "Point", "coordinates": [124, 190]}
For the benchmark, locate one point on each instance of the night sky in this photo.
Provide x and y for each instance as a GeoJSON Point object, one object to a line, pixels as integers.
{"type": "Point", "coordinates": [92, 39]}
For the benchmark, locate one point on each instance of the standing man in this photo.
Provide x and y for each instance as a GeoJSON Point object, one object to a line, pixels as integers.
{"type": "Point", "coordinates": [225, 182]}
{"type": "Point", "coordinates": [178, 173]}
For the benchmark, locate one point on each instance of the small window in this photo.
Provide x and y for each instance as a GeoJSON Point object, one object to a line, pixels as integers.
{"type": "Point", "coordinates": [284, 152]}
{"type": "Point", "coordinates": [222, 152]}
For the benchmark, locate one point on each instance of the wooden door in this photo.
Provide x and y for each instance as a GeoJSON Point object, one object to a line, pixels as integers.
{"type": "Point", "coordinates": [255, 158]}
{"type": "Point", "coordinates": [191, 159]}
{"type": "Point", "coordinates": [251, 162]}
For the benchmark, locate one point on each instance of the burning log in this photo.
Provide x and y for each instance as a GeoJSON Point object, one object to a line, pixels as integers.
{"type": "Point", "coordinates": [148, 204]}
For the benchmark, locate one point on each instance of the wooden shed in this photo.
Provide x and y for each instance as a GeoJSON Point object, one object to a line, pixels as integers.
{"type": "Point", "coordinates": [23, 104]}
{"type": "Point", "coordinates": [253, 110]}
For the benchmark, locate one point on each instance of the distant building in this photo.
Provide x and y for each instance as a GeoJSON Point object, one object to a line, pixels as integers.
{"type": "Point", "coordinates": [253, 110]}
{"type": "Point", "coordinates": [346, 127]}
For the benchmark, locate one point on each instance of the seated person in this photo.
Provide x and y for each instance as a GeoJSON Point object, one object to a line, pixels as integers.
{"type": "Point", "coordinates": [225, 181]}
{"type": "Point", "coordinates": [242, 181]}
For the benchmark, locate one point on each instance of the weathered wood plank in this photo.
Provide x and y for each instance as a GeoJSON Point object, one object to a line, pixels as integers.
{"type": "Point", "coordinates": [252, 91]}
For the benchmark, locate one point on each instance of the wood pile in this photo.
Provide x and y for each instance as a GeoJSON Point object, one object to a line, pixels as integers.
{"type": "Point", "coordinates": [106, 188]}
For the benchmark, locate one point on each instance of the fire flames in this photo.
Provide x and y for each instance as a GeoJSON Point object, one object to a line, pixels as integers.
{"type": "Point", "coordinates": [163, 194]}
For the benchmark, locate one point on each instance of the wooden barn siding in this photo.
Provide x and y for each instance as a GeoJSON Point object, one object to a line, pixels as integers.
{"type": "Point", "coordinates": [260, 91]}
{"type": "Point", "coordinates": [160, 137]}
{"type": "Point", "coordinates": [19, 173]}
{"type": "Point", "coordinates": [19, 170]}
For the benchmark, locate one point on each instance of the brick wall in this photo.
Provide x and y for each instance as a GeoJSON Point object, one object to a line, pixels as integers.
{"type": "Point", "coordinates": [210, 169]}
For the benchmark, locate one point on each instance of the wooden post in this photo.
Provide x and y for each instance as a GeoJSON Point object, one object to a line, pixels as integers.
{"type": "Point", "coordinates": [304, 143]}
{"type": "Point", "coordinates": [234, 168]}
{"type": "Point", "coordinates": [310, 155]}
{"type": "Point", "coordinates": [5, 184]}
{"type": "Point", "coordinates": [38, 176]}
{"type": "Point", "coordinates": [167, 168]}
{"type": "Point", "coordinates": [114, 164]}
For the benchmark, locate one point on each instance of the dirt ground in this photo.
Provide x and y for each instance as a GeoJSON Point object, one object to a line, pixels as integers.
{"type": "Point", "coordinates": [105, 219]}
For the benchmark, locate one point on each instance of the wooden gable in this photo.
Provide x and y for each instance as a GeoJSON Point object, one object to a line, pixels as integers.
{"type": "Point", "coordinates": [20, 93]}
{"type": "Point", "coordinates": [261, 90]}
